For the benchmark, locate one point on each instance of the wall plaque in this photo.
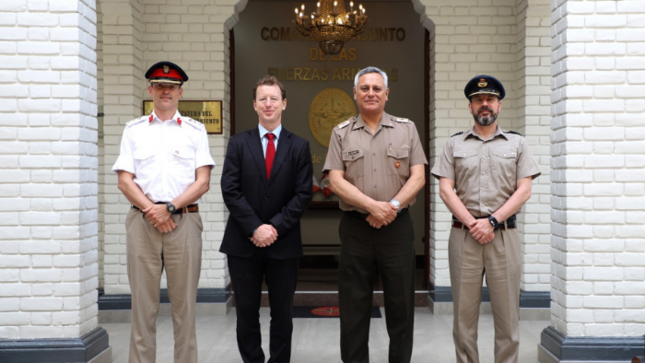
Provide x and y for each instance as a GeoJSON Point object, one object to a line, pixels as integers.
{"type": "Point", "coordinates": [207, 112]}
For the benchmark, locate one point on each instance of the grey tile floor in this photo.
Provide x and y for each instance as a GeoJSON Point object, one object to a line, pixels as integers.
{"type": "Point", "coordinates": [317, 340]}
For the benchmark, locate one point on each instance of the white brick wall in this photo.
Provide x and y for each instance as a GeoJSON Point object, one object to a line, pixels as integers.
{"type": "Point", "coordinates": [532, 85]}
{"type": "Point", "coordinates": [122, 95]}
{"type": "Point", "coordinates": [48, 163]}
{"type": "Point", "coordinates": [195, 35]}
{"type": "Point", "coordinates": [513, 48]}
{"type": "Point", "coordinates": [597, 168]}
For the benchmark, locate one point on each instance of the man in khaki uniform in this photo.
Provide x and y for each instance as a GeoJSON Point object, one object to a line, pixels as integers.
{"type": "Point", "coordinates": [376, 167]}
{"type": "Point", "coordinates": [485, 176]}
{"type": "Point", "coordinates": [164, 168]}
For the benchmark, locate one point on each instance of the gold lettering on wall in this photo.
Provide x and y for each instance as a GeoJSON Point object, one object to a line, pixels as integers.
{"type": "Point", "coordinates": [370, 34]}
{"type": "Point", "coordinates": [317, 159]}
{"type": "Point", "coordinates": [315, 54]}
{"type": "Point", "coordinates": [324, 74]}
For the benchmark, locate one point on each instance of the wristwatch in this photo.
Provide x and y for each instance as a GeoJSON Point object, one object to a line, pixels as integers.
{"type": "Point", "coordinates": [396, 203]}
{"type": "Point", "coordinates": [493, 221]}
{"type": "Point", "coordinates": [170, 207]}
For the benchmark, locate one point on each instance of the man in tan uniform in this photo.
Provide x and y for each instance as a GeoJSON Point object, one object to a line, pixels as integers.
{"type": "Point", "coordinates": [485, 176]}
{"type": "Point", "coordinates": [164, 168]}
{"type": "Point", "coordinates": [376, 167]}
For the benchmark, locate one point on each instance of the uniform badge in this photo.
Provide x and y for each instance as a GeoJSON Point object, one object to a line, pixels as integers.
{"type": "Point", "coordinates": [166, 69]}
{"type": "Point", "coordinates": [397, 164]}
{"type": "Point", "coordinates": [482, 83]}
{"type": "Point", "coordinates": [353, 152]}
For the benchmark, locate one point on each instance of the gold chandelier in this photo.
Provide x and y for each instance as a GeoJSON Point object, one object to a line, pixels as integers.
{"type": "Point", "coordinates": [330, 25]}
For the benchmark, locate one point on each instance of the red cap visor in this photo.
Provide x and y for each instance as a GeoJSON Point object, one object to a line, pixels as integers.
{"type": "Point", "coordinates": [160, 77]}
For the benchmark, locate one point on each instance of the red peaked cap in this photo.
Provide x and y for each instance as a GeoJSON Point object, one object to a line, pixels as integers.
{"type": "Point", "coordinates": [166, 72]}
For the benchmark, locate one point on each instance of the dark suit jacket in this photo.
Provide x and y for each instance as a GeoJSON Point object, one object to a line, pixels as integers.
{"type": "Point", "coordinates": [252, 201]}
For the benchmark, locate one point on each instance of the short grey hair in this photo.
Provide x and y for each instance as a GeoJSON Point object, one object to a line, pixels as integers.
{"type": "Point", "coordinates": [367, 70]}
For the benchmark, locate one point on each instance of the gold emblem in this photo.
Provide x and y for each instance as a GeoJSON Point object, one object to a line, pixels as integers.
{"type": "Point", "coordinates": [397, 164]}
{"type": "Point", "coordinates": [166, 69]}
{"type": "Point", "coordinates": [482, 83]}
{"type": "Point", "coordinates": [330, 107]}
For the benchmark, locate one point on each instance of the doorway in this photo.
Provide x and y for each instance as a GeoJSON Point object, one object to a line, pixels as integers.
{"type": "Point", "coordinates": [396, 42]}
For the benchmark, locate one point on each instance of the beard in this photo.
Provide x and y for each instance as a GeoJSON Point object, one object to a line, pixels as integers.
{"type": "Point", "coordinates": [485, 121]}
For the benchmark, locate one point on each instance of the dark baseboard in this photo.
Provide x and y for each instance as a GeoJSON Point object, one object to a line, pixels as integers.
{"type": "Point", "coordinates": [528, 299]}
{"type": "Point", "coordinates": [586, 349]}
{"type": "Point", "coordinates": [74, 350]}
{"type": "Point", "coordinates": [124, 301]}
{"type": "Point", "coordinates": [535, 299]}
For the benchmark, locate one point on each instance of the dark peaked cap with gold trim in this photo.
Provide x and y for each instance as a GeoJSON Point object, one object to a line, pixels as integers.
{"type": "Point", "coordinates": [166, 72]}
{"type": "Point", "coordinates": [484, 84]}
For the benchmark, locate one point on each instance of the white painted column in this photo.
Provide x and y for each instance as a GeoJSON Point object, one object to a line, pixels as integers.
{"type": "Point", "coordinates": [598, 168]}
{"type": "Point", "coordinates": [48, 175]}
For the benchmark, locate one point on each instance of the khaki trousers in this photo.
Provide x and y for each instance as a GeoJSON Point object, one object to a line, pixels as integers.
{"type": "Point", "coordinates": [500, 261]}
{"type": "Point", "coordinates": [149, 252]}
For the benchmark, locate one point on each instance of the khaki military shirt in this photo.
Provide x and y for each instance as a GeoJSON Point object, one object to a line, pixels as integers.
{"type": "Point", "coordinates": [485, 171]}
{"type": "Point", "coordinates": [377, 164]}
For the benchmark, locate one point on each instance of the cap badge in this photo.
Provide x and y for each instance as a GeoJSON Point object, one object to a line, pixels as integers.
{"type": "Point", "coordinates": [482, 83]}
{"type": "Point", "coordinates": [397, 164]}
{"type": "Point", "coordinates": [166, 69]}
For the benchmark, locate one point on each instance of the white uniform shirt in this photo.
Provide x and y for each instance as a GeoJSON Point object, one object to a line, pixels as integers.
{"type": "Point", "coordinates": [163, 156]}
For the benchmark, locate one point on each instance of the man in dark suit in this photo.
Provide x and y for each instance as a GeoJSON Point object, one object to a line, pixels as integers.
{"type": "Point", "coordinates": [267, 186]}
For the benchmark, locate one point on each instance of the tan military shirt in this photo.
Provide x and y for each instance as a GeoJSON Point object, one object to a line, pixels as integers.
{"type": "Point", "coordinates": [485, 171]}
{"type": "Point", "coordinates": [377, 164]}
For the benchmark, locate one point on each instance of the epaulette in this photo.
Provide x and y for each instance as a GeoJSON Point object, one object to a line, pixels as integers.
{"type": "Point", "coordinates": [196, 124]}
{"type": "Point", "coordinates": [343, 124]}
{"type": "Point", "coordinates": [513, 132]}
{"type": "Point", "coordinates": [459, 133]}
{"type": "Point", "coordinates": [401, 119]}
{"type": "Point", "coordinates": [136, 120]}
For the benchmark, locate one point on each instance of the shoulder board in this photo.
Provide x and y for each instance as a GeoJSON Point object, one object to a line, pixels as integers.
{"type": "Point", "coordinates": [459, 133]}
{"type": "Point", "coordinates": [189, 121]}
{"type": "Point", "coordinates": [513, 132]}
{"type": "Point", "coordinates": [401, 119]}
{"type": "Point", "coordinates": [343, 124]}
{"type": "Point", "coordinates": [136, 120]}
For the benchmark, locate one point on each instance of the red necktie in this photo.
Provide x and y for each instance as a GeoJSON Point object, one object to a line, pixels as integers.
{"type": "Point", "coordinates": [268, 159]}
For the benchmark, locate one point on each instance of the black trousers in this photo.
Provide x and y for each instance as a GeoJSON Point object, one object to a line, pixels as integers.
{"type": "Point", "coordinates": [247, 274]}
{"type": "Point", "coordinates": [364, 252]}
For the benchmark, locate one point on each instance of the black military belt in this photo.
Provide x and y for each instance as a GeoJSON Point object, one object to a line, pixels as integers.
{"type": "Point", "coordinates": [360, 215]}
{"type": "Point", "coordinates": [510, 223]}
{"type": "Point", "coordinates": [193, 208]}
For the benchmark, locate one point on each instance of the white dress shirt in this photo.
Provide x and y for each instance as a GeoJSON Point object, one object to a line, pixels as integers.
{"type": "Point", "coordinates": [265, 140]}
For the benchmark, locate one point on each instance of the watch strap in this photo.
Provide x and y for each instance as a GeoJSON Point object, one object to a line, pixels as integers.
{"type": "Point", "coordinates": [493, 221]}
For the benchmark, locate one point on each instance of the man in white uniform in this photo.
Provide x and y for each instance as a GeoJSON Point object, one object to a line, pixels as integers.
{"type": "Point", "coordinates": [164, 168]}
